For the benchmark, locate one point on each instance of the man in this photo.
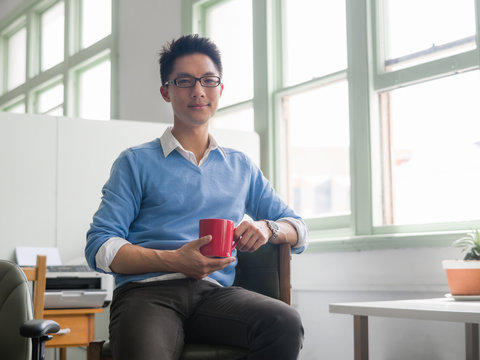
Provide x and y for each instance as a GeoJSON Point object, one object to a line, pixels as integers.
{"type": "Point", "coordinates": [145, 230]}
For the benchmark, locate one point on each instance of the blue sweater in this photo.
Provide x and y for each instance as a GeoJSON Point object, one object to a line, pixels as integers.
{"type": "Point", "coordinates": [156, 201]}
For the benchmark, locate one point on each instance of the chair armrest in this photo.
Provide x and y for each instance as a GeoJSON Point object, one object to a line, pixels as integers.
{"type": "Point", "coordinates": [38, 328]}
{"type": "Point", "coordinates": [284, 259]}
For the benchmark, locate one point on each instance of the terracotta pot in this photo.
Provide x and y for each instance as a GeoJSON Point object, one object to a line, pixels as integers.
{"type": "Point", "coordinates": [463, 276]}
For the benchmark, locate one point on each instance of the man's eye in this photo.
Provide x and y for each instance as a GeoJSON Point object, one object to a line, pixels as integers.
{"type": "Point", "coordinates": [210, 81]}
{"type": "Point", "coordinates": [184, 81]}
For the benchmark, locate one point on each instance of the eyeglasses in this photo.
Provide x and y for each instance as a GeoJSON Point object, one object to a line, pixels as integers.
{"type": "Point", "coordinates": [187, 82]}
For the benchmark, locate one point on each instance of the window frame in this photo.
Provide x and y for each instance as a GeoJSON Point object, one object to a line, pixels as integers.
{"type": "Point", "coordinates": [5, 34]}
{"type": "Point", "coordinates": [30, 12]}
{"type": "Point", "coordinates": [366, 80]}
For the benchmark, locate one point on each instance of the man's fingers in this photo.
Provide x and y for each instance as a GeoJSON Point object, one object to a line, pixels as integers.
{"type": "Point", "coordinates": [213, 264]}
{"type": "Point", "coordinates": [240, 229]}
{"type": "Point", "coordinates": [198, 243]}
{"type": "Point", "coordinates": [218, 264]}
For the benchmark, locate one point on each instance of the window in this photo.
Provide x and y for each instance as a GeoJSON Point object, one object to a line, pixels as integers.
{"type": "Point", "coordinates": [433, 142]}
{"type": "Point", "coordinates": [96, 21]}
{"type": "Point", "coordinates": [368, 110]}
{"type": "Point", "coordinates": [94, 91]}
{"type": "Point", "coordinates": [235, 106]}
{"type": "Point", "coordinates": [412, 37]}
{"type": "Point", "coordinates": [424, 157]}
{"type": "Point", "coordinates": [49, 100]}
{"type": "Point", "coordinates": [16, 107]}
{"type": "Point", "coordinates": [51, 38]}
{"type": "Point", "coordinates": [305, 56]}
{"type": "Point", "coordinates": [17, 58]}
{"type": "Point", "coordinates": [52, 54]}
{"type": "Point", "coordinates": [317, 155]}
{"type": "Point", "coordinates": [315, 117]}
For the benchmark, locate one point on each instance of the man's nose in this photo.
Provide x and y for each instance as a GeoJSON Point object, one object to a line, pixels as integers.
{"type": "Point", "coordinates": [198, 89]}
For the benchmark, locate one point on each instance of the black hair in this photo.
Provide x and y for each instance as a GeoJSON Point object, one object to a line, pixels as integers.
{"type": "Point", "coordinates": [186, 45]}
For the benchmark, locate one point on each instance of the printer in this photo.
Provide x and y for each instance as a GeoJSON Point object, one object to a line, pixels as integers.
{"type": "Point", "coordinates": [77, 286]}
{"type": "Point", "coordinates": [69, 286]}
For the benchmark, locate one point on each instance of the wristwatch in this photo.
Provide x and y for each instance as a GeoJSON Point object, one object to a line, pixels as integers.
{"type": "Point", "coordinates": [273, 226]}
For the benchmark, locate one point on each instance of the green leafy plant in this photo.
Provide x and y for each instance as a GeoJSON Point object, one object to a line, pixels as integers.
{"type": "Point", "coordinates": [470, 244]}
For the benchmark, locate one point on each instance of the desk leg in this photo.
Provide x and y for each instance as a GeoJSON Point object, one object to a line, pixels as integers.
{"type": "Point", "coordinates": [471, 341]}
{"type": "Point", "coordinates": [360, 337]}
{"type": "Point", "coordinates": [63, 353]}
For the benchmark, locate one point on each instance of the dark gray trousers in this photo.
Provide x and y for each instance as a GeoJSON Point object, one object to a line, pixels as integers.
{"type": "Point", "coordinates": [153, 320]}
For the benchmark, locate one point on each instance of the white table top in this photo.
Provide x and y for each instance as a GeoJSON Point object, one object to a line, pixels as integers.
{"type": "Point", "coordinates": [441, 309]}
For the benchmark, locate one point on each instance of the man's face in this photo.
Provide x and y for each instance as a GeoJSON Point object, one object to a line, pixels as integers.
{"type": "Point", "coordinates": [196, 105]}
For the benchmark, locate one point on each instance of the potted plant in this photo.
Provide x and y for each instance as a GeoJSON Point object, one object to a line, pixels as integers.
{"type": "Point", "coordinates": [463, 276]}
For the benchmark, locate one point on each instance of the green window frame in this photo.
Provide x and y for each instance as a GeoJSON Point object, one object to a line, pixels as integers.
{"type": "Point", "coordinates": [366, 81]}
{"type": "Point", "coordinates": [29, 15]}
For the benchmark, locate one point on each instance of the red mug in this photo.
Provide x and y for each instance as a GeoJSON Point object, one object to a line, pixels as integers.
{"type": "Point", "coordinates": [222, 242]}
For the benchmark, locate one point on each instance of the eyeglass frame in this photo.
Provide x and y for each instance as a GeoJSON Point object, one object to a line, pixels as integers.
{"type": "Point", "coordinates": [174, 81]}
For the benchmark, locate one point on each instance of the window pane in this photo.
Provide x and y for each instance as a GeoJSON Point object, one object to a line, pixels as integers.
{"type": "Point", "coordinates": [426, 30]}
{"type": "Point", "coordinates": [317, 130]}
{"type": "Point", "coordinates": [58, 111]}
{"type": "Point", "coordinates": [96, 22]}
{"type": "Point", "coordinates": [17, 58]}
{"type": "Point", "coordinates": [235, 46]}
{"type": "Point", "coordinates": [52, 25]}
{"type": "Point", "coordinates": [236, 120]}
{"type": "Point", "coordinates": [50, 99]}
{"type": "Point", "coordinates": [435, 152]}
{"type": "Point", "coordinates": [18, 108]}
{"type": "Point", "coordinates": [94, 92]}
{"type": "Point", "coordinates": [308, 56]}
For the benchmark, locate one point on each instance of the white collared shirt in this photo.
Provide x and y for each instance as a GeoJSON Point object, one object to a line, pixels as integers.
{"type": "Point", "coordinates": [170, 143]}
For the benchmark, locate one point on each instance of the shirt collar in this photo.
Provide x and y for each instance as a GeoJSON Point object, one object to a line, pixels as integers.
{"type": "Point", "coordinates": [170, 143]}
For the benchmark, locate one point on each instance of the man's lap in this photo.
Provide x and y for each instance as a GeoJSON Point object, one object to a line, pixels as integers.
{"type": "Point", "coordinates": [195, 310]}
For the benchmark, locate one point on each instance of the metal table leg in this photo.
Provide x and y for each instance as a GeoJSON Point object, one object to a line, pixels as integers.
{"type": "Point", "coordinates": [360, 337]}
{"type": "Point", "coordinates": [471, 341]}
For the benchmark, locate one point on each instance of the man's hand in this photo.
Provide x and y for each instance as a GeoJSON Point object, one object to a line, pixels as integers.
{"type": "Point", "coordinates": [251, 235]}
{"type": "Point", "coordinates": [190, 261]}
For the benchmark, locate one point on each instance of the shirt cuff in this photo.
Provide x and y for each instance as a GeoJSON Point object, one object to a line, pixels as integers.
{"type": "Point", "coordinates": [302, 232]}
{"type": "Point", "coordinates": [106, 253]}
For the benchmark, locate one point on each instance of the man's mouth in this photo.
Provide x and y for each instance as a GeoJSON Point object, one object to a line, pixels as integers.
{"type": "Point", "coordinates": [198, 106]}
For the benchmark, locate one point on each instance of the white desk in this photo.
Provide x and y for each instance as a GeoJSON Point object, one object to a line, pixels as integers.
{"type": "Point", "coordinates": [442, 309]}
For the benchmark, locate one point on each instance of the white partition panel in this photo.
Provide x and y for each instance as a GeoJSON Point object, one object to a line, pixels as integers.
{"type": "Point", "coordinates": [28, 146]}
{"type": "Point", "coordinates": [53, 170]}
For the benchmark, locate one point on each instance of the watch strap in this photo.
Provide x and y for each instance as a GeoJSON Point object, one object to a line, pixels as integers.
{"type": "Point", "coordinates": [272, 225]}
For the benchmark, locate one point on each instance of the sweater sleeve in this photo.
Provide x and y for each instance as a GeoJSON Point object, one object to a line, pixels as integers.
{"type": "Point", "coordinates": [121, 198]}
{"type": "Point", "coordinates": [264, 203]}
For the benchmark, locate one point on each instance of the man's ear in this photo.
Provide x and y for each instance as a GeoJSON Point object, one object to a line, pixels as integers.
{"type": "Point", "coordinates": [221, 89]}
{"type": "Point", "coordinates": [164, 92]}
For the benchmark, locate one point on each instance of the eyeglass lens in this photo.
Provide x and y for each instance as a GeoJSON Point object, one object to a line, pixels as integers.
{"type": "Point", "coordinates": [207, 81]}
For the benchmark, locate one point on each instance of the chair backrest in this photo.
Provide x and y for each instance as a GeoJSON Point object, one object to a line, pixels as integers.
{"type": "Point", "coordinates": [37, 274]}
{"type": "Point", "coordinates": [266, 271]}
{"type": "Point", "coordinates": [15, 309]}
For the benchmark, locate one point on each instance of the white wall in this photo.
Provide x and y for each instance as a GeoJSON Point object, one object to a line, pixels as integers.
{"type": "Point", "coordinates": [323, 278]}
{"type": "Point", "coordinates": [144, 27]}
{"type": "Point", "coordinates": [6, 6]}
{"type": "Point", "coordinates": [318, 278]}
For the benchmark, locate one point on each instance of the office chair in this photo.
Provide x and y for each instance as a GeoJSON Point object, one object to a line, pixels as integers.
{"type": "Point", "coordinates": [266, 271]}
{"type": "Point", "coordinates": [16, 320]}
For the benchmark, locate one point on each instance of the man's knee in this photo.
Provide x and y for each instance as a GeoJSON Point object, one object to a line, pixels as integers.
{"type": "Point", "coordinates": [290, 325]}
